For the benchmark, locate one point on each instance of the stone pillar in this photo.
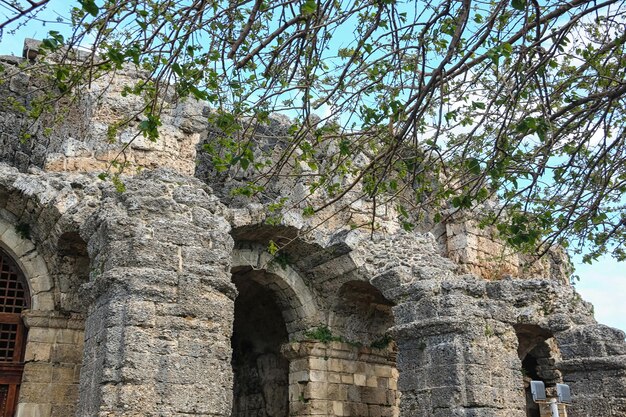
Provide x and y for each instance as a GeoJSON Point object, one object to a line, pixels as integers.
{"type": "Point", "coordinates": [594, 366]}
{"type": "Point", "coordinates": [340, 379]}
{"type": "Point", "coordinates": [447, 368]}
{"type": "Point", "coordinates": [157, 336]}
{"type": "Point", "coordinates": [53, 358]}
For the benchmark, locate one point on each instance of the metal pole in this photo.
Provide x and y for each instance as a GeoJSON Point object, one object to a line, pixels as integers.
{"type": "Point", "coordinates": [554, 407]}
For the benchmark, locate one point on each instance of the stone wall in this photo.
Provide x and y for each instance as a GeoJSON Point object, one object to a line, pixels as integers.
{"type": "Point", "coordinates": [481, 252]}
{"type": "Point", "coordinates": [161, 309]}
{"type": "Point", "coordinates": [340, 379]}
{"type": "Point", "coordinates": [138, 290]}
{"type": "Point", "coordinates": [80, 135]}
{"type": "Point", "coordinates": [54, 354]}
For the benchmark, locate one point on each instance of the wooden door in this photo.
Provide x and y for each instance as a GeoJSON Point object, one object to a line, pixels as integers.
{"type": "Point", "coordinates": [14, 298]}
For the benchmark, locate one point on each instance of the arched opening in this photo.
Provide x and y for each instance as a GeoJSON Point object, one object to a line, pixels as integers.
{"type": "Point", "coordinates": [538, 353]}
{"type": "Point", "coordinates": [366, 357]}
{"type": "Point", "coordinates": [73, 271]}
{"type": "Point", "coordinates": [14, 298]}
{"type": "Point", "coordinates": [261, 373]}
{"type": "Point", "coordinates": [362, 314]}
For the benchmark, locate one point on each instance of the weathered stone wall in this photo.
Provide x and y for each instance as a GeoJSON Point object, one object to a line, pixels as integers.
{"type": "Point", "coordinates": [157, 338]}
{"type": "Point", "coordinates": [81, 136]}
{"type": "Point", "coordinates": [136, 290]}
{"type": "Point", "coordinates": [481, 252]}
{"type": "Point", "coordinates": [54, 354]}
{"type": "Point", "coordinates": [466, 360]}
{"type": "Point", "coordinates": [341, 379]}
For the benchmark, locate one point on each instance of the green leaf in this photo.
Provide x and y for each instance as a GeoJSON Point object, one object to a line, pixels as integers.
{"type": "Point", "coordinates": [272, 248]}
{"type": "Point", "coordinates": [473, 165]}
{"type": "Point", "coordinates": [478, 105]}
{"type": "Point", "coordinates": [308, 8]}
{"type": "Point", "coordinates": [518, 4]}
{"type": "Point", "coordinates": [344, 147]}
{"type": "Point", "coordinates": [90, 7]}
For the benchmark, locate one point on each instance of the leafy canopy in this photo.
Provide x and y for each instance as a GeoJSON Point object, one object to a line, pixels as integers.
{"type": "Point", "coordinates": [450, 104]}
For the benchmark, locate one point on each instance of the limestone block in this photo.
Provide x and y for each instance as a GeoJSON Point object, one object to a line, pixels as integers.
{"type": "Point", "coordinates": [360, 380]}
{"type": "Point", "coordinates": [378, 396]}
{"type": "Point", "coordinates": [317, 376]}
{"type": "Point", "coordinates": [36, 351]}
{"type": "Point", "coordinates": [44, 335]}
{"type": "Point", "coordinates": [347, 379]}
{"type": "Point", "coordinates": [316, 390]}
{"type": "Point", "coordinates": [319, 364]}
{"type": "Point", "coordinates": [38, 372]}
{"type": "Point", "coordinates": [26, 409]}
{"type": "Point", "coordinates": [338, 408]}
{"type": "Point", "coordinates": [66, 353]}
{"type": "Point", "coordinates": [319, 407]}
{"type": "Point", "coordinates": [356, 409]}
{"type": "Point", "coordinates": [62, 410]}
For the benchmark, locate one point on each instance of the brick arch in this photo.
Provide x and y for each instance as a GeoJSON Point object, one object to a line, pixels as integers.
{"type": "Point", "coordinates": [295, 298]}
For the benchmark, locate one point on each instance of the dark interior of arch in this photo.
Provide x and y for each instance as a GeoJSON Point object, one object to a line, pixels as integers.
{"type": "Point", "coordinates": [362, 314]}
{"type": "Point", "coordinates": [73, 270]}
{"type": "Point", "coordinates": [261, 373]}
{"type": "Point", "coordinates": [538, 363]}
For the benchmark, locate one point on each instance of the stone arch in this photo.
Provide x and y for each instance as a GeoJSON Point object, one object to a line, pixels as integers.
{"type": "Point", "coordinates": [274, 305]}
{"type": "Point", "coordinates": [539, 355]}
{"type": "Point", "coordinates": [260, 371]}
{"type": "Point", "coordinates": [297, 301]}
{"type": "Point", "coordinates": [32, 264]}
{"type": "Point", "coordinates": [342, 359]}
{"type": "Point", "coordinates": [33, 217]}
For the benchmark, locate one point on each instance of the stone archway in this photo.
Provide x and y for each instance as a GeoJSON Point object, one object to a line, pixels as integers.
{"type": "Point", "coordinates": [32, 263]}
{"type": "Point", "coordinates": [538, 353]}
{"type": "Point", "coordinates": [260, 371]}
{"type": "Point", "coordinates": [274, 306]}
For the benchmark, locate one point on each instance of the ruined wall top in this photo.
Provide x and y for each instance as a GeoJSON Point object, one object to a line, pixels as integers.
{"type": "Point", "coordinates": [84, 138]}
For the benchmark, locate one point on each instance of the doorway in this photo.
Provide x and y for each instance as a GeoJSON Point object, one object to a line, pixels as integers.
{"type": "Point", "coordinates": [261, 373]}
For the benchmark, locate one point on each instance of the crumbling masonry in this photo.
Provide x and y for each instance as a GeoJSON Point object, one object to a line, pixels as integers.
{"type": "Point", "coordinates": [163, 300]}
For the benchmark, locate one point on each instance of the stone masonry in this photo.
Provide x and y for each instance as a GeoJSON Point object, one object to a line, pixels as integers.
{"type": "Point", "coordinates": [162, 299]}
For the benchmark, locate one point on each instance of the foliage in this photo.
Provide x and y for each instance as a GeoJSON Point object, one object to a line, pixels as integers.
{"type": "Point", "coordinates": [449, 105]}
{"type": "Point", "coordinates": [23, 230]}
{"type": "Point", "coordinates": [383, 342]}
{"type": "Point", "coordinates": [322, 334]}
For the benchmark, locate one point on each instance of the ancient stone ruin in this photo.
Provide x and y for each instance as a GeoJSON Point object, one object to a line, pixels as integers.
{"type": "Point", "coordinates": [163, 299]}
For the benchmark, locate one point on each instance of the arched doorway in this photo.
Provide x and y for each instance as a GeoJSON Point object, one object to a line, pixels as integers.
{"type": "Point", "coordinates": [538, 353]}
{"type": "Point", "coordinates": [14, 298]}
{"type": "Point", "coordinates": [261, 373]}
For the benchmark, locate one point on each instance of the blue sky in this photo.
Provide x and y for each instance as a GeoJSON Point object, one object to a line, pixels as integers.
{"type": "Point", "coordinates": [603, 283]}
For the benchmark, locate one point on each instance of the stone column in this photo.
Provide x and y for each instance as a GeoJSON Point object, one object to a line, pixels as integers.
{"type": "Point", "coordinates": [341, 379]}
{"type": "Point", "coordinates": [52, 364]}
{"type": "Point", "coordinates": [453, 358]}
{"type": "Point", "coordinates": [157, 336]}
{"type": "Point", "coordinates": [594, 366]}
